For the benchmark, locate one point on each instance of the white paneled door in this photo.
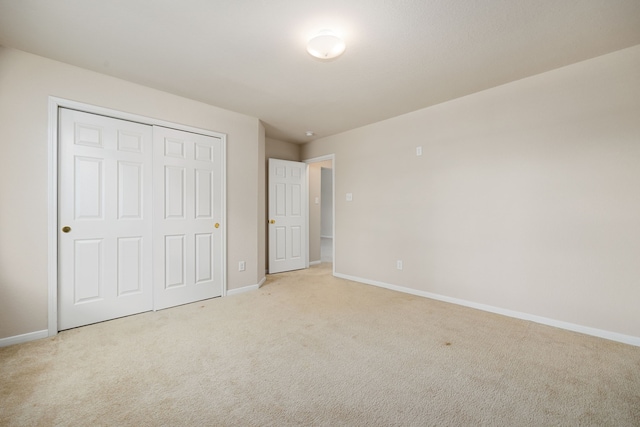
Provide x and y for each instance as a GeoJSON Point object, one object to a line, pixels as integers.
{"type": "Point", "coordinates": [188, 217]}
{"type": "Point", "coordinates": [105, 219]}
{"type": "Point", "coordinates": [288, 235]}
{"type": "Point", "coordinates": [140, 218]}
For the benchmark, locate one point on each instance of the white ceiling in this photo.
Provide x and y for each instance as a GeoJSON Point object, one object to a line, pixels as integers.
{"type": "Point", "coordinates": [249, 55]}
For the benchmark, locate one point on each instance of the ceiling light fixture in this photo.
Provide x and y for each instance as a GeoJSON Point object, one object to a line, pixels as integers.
{"type": "Point", "coordinates": [325, 45]}
{"type": "Point", "coordinates": [309, 133]}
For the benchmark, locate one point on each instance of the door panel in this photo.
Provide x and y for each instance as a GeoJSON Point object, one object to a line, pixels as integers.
{"type": "Point", "coordinates": [287, 215]}
{"type": "Point", "coordinates": [129, 265]}
{"type": "Point", "coordinates": [204, 256]}
{"type": "Point", "coordinates": [174, 261]}
{"type": "Point", "coordinates": [88, 264]}
{"type": "Point", "coordinates": [204, 200]}
{"type": "Point", "coordinates": [89, 188]}
{"type": "Point", "coordinates": [104, 191]}
{"type": "Point", "coordinates": [188, 191]}
{"type": "Point", "coordinates": [130, 190]}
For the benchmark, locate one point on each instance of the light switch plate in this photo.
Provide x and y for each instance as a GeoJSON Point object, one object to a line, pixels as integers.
{"type": "Point", "coordinates": [349, 197]}
{"type": "Point", "coordinates": [418, 151]}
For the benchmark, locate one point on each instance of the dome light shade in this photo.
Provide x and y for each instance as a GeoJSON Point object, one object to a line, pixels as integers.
{"type": "Point", "coordinates": [325, 45]}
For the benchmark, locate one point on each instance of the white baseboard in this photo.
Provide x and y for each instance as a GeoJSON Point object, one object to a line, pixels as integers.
{"type": "Point", "coordinates": [19, 339]}
{"type": "Point", "coordinates": [242, 290]}
{"type": "Point", "coordinates": [246, 288]}
{"type": "Point", "coordinates": [264, 279]}
{"type": "Point", "coordinates": [613, 336]}
{"type": "Point", "coordinates": [31, 336]}
{"type": "Point", "coordinates": [314, 262]}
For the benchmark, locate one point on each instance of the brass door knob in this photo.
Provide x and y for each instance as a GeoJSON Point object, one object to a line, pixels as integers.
{"type": "Point", "coordinates": [217, 225]}
{"type": "Point", "coordinates": [66, 229]}
{"type": "Point", "coordinates": [273, 221]}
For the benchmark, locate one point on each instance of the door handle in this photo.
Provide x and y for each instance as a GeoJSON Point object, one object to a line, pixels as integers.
{"type": "Point", "coordinates": [273, 221]}
{"type": "Point", "coordinates": [217, 225]}
{"type": "Point", "coordinates": [66, 229]}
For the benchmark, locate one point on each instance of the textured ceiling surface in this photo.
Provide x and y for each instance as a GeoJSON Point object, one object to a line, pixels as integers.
{"type": "Point", "coordinates": [249, 56]}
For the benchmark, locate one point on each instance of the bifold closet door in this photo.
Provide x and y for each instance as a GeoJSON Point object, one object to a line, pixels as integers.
{"type": "Point", "coordinates": [188, 225]}
{"type": "Point", "coordinates": [104, 218]}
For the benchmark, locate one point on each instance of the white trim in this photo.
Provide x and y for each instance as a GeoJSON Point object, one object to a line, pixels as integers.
{"type": "Point", "coordinates": [21, 339]}
{"type": "Point", "coordinates": [331, 157]}
{"type": "Point", "coordinates": [122, 115]}
{"type": "Point", "coordinates": [224, 214]}
{"type": "Point", "coordinates": [52, 256]}
{"type": "Point", "coordinates": [262, 282]}
{"type": "Point", "coordinates": [613, 336]}
{"type": "Point", "coordinates": [242, 290]}
{"type": "Point", "coordinates": [306, 207]}
{"type": "Point", "coordinates": [333, 190]}
{"type": "Point", "coordinates": [314, 263]}
{"type": "Point", "coordinates": [320, 159]}
{"type": "Point", "coordinates": [326, 237]}
{"type": "Point", "coordinates": [249, 288]}
{"type": "Point", "coordinates": [52, 268]}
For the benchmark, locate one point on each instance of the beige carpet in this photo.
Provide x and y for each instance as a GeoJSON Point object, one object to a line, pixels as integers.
{"type": "Point", "coordinates": [310, 349]}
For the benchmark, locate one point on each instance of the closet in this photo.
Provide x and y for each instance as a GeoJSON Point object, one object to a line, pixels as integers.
{"type": "Point", "coordinates": [140, 210]}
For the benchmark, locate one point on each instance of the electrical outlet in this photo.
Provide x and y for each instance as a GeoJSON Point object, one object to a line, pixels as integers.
{"type": "Point", "coordinates": [418, 151]}
{"type": "Point", "coordinates": [349, 197]}
{"type": "Point", "coordinates": [399, 264]}
{"type": "Point", "coordinates": [242, 266]}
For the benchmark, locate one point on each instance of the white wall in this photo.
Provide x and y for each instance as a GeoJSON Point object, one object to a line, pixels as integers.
{"type": "Point", "coordinates": [26, 82]}
{"type": "Point", "coordinates": [527, 196]}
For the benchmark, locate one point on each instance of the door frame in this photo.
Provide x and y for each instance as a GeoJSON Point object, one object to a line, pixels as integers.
{"type": "Point", "coordinates": [331, 157]}
{"type": "Point", "coordinates": [52, 191]}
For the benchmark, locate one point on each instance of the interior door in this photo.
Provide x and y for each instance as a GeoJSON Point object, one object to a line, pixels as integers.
{"type": "Point", "coordinates": [188, 229]}
{"type": "Point", "coordinates": [288, 233]}
{"type": "Point", "coordinates": [104, 218]}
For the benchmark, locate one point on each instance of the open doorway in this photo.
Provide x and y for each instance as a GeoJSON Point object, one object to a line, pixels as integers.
{"type": "Point", "coordinates": [321, 210]}
{"type": "Point", "coordinates": [326, 214]}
